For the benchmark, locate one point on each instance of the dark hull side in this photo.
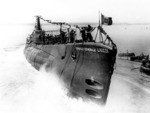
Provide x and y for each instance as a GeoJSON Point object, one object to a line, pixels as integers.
{"type": "Point", "coordinates": [145, 70]}
{"type": "Point", "coordinates": [139, 59]}
{"type": "Point", "coordinates": [85, 68]}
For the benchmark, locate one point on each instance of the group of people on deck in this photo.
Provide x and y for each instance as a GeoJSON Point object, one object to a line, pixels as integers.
{"type": "Point", "coordinates": [85, 34]}
{"type": "Point", "coordinates": [41, 37]}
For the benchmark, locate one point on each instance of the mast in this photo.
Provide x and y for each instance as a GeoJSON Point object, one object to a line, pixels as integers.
{"type": "Point", "coordinates": [61, 33]}
{"type": "Point", "coordinates": [38, 25]}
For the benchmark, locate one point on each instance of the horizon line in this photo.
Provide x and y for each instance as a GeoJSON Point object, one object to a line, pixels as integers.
{"type": "Point", "coordinates": [119, 23]}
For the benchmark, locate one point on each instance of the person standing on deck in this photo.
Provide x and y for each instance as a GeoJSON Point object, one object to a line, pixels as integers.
{"type": "Point", "coordinates": [89, 30]}
{"type": "Point", "coordinates": [63, 38]}
{"type": "Point", "coordinates": [72, 36]}
{"type": "Point", "coordinates": [83, 33]}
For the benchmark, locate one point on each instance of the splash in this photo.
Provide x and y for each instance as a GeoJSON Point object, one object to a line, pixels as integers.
{"type": "Point", "coordinates": [25, 90]}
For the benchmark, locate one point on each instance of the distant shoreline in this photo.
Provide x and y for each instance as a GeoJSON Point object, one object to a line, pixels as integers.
{"type": "Point", "coordinates": [81, 23]}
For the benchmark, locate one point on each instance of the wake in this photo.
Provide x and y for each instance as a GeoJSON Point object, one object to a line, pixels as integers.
{"type": "Point", "coordinates": [26, 90]}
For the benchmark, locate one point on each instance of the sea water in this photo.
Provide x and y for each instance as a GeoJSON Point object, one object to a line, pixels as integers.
{"type": "Point", "coordinates": [26, 90]}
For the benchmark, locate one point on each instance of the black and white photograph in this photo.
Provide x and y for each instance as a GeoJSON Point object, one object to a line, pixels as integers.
{"type": "Point", "coordinates": [74, 56]}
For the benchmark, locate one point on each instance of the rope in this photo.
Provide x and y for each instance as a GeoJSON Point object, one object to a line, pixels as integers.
{"type": "Point", "coordinates": [49, 21]}
{"type": "Point", "coordinates": [57, 23]}
{"type": "Point", "coordinates": [96, 35]}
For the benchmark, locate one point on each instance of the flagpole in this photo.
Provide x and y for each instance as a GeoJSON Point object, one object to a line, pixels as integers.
{"type": "Point", "coordinates": [99, 18]}
{"type": "Point", "coordinates": [100, 25]}
{"type": "Point", "coordinates": [100, 21]}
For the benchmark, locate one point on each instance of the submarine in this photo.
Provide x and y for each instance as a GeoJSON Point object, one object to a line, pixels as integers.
{"type": "Point", "coordinates": [84, 65]}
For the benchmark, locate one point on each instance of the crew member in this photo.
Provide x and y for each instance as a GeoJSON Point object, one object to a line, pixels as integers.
{"type": "Point", "coordinates": [83, 34]}
{"type": "Point", "coordinates": [89, 30]}
{"type": "Point", "coordinates": [63, 37]}
{"type": "Point", "coordinates": [72, 36]}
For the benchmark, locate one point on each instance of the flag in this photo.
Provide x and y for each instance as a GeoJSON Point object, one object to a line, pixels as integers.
{"type": "Point", "coordinates": [106, 20]}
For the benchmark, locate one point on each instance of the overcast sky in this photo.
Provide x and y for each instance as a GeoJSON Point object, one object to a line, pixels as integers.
{"type": "Point", "coordinates": [23, 11]}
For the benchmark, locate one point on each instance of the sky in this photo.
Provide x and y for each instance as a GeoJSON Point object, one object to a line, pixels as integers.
{"type": "Point", "coordinates": [122, 11]}
{"type": "Point", "coordinates": [16, 12]}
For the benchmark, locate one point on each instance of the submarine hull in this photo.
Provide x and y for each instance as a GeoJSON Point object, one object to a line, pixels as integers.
{"type": "Point", "coordinates": [85, 68]}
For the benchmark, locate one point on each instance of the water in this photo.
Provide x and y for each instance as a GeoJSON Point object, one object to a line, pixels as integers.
{"type": "Point", "coordinates": [25, 90]}
{"type": "Point", "coordinates": [134, 38]}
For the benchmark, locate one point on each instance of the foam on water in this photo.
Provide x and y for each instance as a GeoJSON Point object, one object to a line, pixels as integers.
{"type": "Point", "coordinates": [25, 90]}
